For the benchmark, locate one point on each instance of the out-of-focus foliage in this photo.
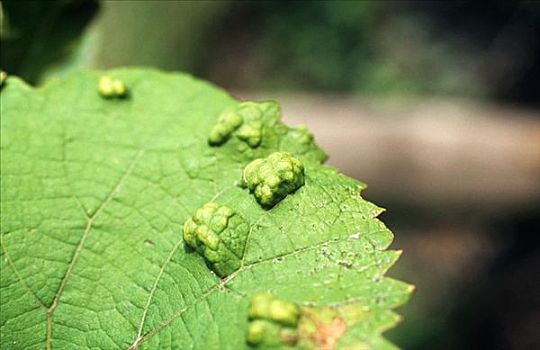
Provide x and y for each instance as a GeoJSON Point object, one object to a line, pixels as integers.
{"type": "Point", "coordinates": [331, 47]}
{"type": "Point", "coordinates": [367, 47]}
{"type": "Point", "coordinates": [171, 35]}
{"type": "Point", "coordinates": [381, 47]}
{"type": "Point", "coordinates": [38, 36]}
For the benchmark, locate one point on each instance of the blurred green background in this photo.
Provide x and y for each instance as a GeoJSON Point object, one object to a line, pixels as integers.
{"type": "Point", "coordinates": [434, 104]}
{"type": "Point", "coordinates": [367, 47]}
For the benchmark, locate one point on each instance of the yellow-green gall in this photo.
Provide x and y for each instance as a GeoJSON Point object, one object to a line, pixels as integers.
{"type": "Point", "coordinates": [260, 305]}
{"type": "Point", "coordinates": [226, 125]}
{"type": "Point", "coordinates": [265, 306]}
{"type": "Point", "coordinates": [284, 312]}
{"type": "Point", "coordinates": [219, 235]}
{"type": "Point", "coordinates": [256, 332]}
{"type": "Point", "coordinates": [273, 322]}
{"type": "Point", "coordinates": [244, 121]}
{"type": "Point", "coordinates": [272, 178]}
{"type": "Point", "coordinates": [109, 87]}
{"type": "Point", "coordinates": [301, 134]}
{"type": "Point", "coordinates": [251, 133]}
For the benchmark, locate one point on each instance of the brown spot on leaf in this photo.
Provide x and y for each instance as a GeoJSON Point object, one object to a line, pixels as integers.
{"type": "Point", "coordinates": [326, 335]}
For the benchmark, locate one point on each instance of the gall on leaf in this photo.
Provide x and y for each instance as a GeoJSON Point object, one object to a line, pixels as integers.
{"type": "Point", "coordinates": [273, 322]}
{"type": "Point", "coordinates": [245, 121]}
{"type": "Point", "coordinates": [218, 234]}
{"type": "Point", "coordinates": [272, 178]}
{"type": "Point", "coordinates": [111, 88]}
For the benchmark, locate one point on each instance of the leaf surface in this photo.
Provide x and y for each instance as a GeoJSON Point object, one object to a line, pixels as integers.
{"type": "Point", "coordinates": [94, 195]}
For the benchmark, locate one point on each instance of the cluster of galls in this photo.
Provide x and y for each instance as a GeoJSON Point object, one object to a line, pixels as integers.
{"type": "Point", "coordinates": [273, 322]}
{"type": "Point", "coordinates": [219, 235]}
{"type": "Point", "coordinates": [244, 121]}
{"type": "Point", "coordinates": [271, 179]}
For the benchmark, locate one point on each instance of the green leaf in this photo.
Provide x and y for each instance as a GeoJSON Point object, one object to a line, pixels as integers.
{"type": "Point", "coordinates": [95, 193]}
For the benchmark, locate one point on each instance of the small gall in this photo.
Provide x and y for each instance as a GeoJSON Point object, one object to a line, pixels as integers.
{"type": "Point", "coordinates": [272, 322]}
{"type": "Point", "coordinates": [111, 88]}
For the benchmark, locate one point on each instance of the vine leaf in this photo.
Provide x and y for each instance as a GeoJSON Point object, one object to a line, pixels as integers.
{"type": "Point", "coordinates": [94, 195]}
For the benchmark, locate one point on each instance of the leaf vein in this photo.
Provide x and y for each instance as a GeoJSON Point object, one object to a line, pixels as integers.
{"type": "Point", "coordinates": [80, 246]}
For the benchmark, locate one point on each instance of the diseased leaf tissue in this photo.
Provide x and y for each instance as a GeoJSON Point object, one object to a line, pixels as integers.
{"type": "Point", "coordinates": [249, 231]}
{"type": "Point", "coordinates": [109, 87]}
{"type": "Point", "coordinates": [271, 179]}
{"type": "Point", "coordinates": [273, 321]}
{"type": "Point", "coordinates": [219, 234]}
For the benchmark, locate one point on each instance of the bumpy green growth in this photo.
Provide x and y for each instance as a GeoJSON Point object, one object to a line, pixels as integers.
{"type": "Point", "coordinates": [257, 331]}
{"type": "Point", "coordinates": [227, 123]}
{"type": "Point", "coordinates": [109, 87]}
{"type": "Point", "coordinates": [219, 235]}
{"type": "Point", "coordinates": [301, 134]}
{"type": "Point", "coordinates": [268, 334]}
{"type": "Point", "coordinates": [245, 121]}
{"type": "Point", "coordinates": [265, 306]}
{"type": "Point", "coordinates": [273, 322]}
{"type": "Point", "coordinates": [271, 179]}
